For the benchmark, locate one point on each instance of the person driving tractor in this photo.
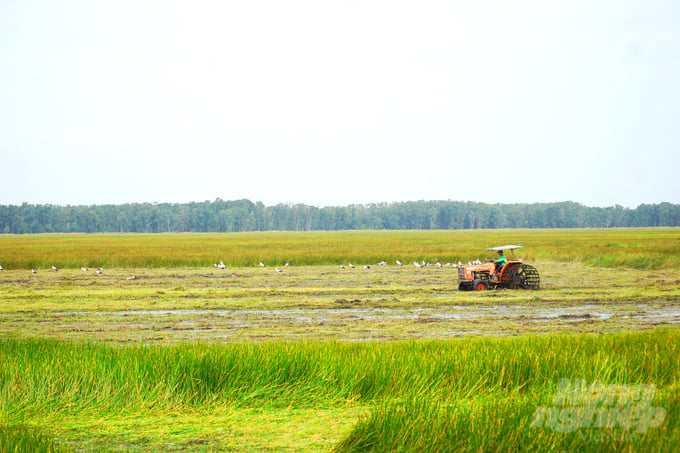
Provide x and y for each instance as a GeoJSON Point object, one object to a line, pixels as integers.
{"type": "Point", "coordinates": [500, 262]}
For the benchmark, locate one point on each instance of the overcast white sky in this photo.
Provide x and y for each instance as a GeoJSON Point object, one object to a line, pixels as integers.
{"type": "Point", "coordinates": [334, 103]}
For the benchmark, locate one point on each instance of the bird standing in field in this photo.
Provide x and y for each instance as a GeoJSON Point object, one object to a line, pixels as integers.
{"type": "Point", "coordinates": [2, 268]}
{"type": "Point", "coordinates": [54, 268]}
{"type": "Point", "coordinates": [33, 271]}
{"type": "Point", "coordinates": [261, 264]}
{"type": "Point", "coordinates": [278, 270]}
{"type": "Point", "coordinates": [351, 265]}
{"type": "Point", "coordinates": [84, 269]}
{"type": "Point", "coordinates": [398, 262]}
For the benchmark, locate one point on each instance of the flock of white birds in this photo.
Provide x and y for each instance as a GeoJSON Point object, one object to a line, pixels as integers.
{"type": "Point", "coordinates": [99, 270]}
{"type": "Point", "coordinates": [422, 264]}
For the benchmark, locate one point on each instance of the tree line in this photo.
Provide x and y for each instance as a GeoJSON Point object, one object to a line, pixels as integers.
{"type": "Point", "coordinates": [244, 215]}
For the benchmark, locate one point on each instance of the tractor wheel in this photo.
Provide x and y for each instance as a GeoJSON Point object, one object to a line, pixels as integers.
{"type": "Point", "coordinates": [481, 285]}
{"type": "Point", "coordinates": [525, 277]}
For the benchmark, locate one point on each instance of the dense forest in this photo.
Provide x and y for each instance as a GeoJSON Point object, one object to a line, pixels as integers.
{"type": "Point", "coordinates": [244, 215]}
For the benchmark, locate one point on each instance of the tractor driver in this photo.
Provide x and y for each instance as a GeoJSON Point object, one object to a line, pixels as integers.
{"type": "Point", "coordinates": [500, 262]}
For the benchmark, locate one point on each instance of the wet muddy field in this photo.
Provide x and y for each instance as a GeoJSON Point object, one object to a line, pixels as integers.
{"type": "Point", "coordinates": [323, 302]}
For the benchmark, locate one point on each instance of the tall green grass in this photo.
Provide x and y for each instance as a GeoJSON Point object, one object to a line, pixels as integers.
{"type": "Point", "coordinates": [20, 439]}
{"type": "Point", "coordinates": [428, 396]}
{"type": "Point", "coordinates": [493, 424]}
{"type": "Point", "coordinates": [635, 248]}
{"type": "Point", "coordinates": [36, 372]}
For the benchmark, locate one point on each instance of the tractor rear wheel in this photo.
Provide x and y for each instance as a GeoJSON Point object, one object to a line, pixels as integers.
{"type": "Point", "coordinates": [525, 277]}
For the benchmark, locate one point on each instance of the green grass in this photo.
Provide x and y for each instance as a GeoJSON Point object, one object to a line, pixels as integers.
{"type": "Point", "coordinates": [475, 393]}
{"type": "Point", "coordinates": [24, 439]}
{"type": "Point", "coordinates": [634, 248]}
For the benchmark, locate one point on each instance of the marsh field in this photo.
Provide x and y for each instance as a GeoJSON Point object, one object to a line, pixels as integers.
{"type": "Point", "coordinates": [163, 351]}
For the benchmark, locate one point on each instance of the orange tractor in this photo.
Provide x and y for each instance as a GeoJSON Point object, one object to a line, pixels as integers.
{"type": "Point", "coordinates": [483, 276]}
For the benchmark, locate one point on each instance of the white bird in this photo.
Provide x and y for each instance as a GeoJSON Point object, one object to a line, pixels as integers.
{"type": "Point", "coordinates": [367, 267]}
{"type": "Point", "coordinates": [399, 262]}
{"type": "Point", "coordinates": [277, 269]}
{"type": "Point", "coordinates": [99, 271]}
{"type": "Point", "coordinates": [221, 265]}
{"type": "Point", "coordinates": [54, 268]}
{"type": "Point", "coordinates": [351, 265]}
{"type": "Point", "coordinates": [415, 263]}
{"type": "Point", "coordinates": [84, 269]}
{"type": "Point", "coordinates": [342, 267]}
{"type": "Point", "coordinates": [261, 264]}
{"type": "Point", "coordinates": [438, 264]}
{"type": "Point", "coordinates": [382, 263]}
{"type": "Point", "coordinates": [460, 264]}
{"type": "Point", "coordinates": [214, 264]}
{"type": "Point", "coordinates": [33, 271]}
{"type": "Point", "coordinates": [287, 264]}
{"type": "Point", "coordinates": [2, 268]}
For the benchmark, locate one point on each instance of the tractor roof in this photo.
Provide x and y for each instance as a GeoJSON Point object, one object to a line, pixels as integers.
{"type": "Point", "coordinates": [506, 247]}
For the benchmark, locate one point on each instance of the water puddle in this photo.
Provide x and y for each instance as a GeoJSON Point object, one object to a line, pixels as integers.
{"type": "Point", "coordinates": [454, 312]}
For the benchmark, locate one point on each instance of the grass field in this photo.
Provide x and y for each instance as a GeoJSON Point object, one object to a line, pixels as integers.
{"type": "Point", "coordinates": [655, 248]}
{"type": "Point", "coordinates": [474, 394]}
{"type": "Point", "coordinates": [318, 358]}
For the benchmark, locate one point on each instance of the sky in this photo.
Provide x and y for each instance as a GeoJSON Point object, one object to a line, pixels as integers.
{"type": "Point", "coordinates": [331, 103]}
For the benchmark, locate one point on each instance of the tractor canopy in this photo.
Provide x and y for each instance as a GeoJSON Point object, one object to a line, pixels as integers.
{"type": "Point", "coordinates": [505, 247]}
